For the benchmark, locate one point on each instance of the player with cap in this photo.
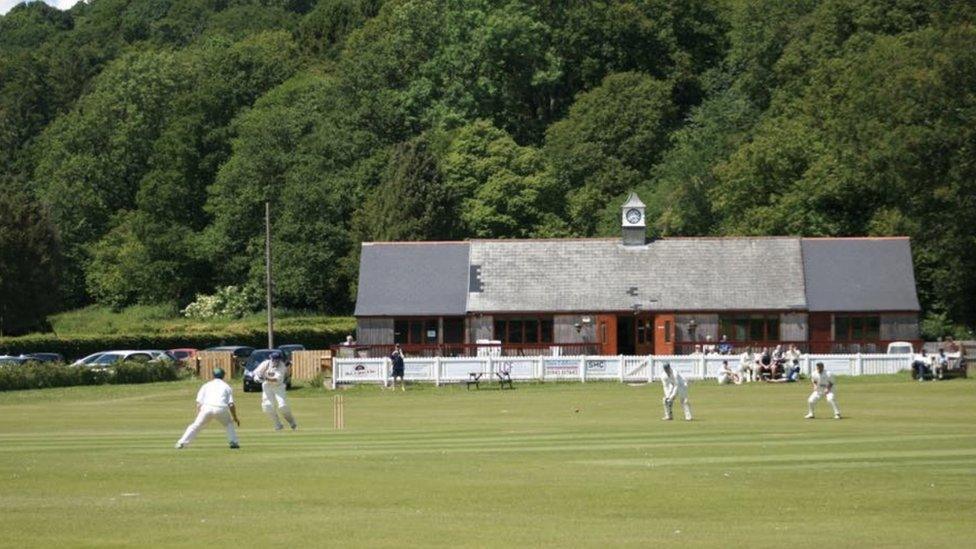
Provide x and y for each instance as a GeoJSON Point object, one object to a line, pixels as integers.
{"type": "Point", "coordinates": [675, 386]}
{"type": "Point", "coordinates": [273, 373]}
{"type": "Point", "coordinates": [823, 386]}
{"type": "Point", "coordinates": [215, 400]}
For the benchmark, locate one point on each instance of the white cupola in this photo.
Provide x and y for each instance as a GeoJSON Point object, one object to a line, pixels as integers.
{"type": "Point", "coordinates": [633, 222]}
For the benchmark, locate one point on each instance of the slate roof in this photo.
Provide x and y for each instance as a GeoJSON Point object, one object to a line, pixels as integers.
{"type": "Point", "coordinates": [859, 274]}
{"type": "Point", "coordinates": [412, 278]}
{"type": "Point", "coordinates": [604, 275]}
{"type": "Point", "coordinates": [672, 274]}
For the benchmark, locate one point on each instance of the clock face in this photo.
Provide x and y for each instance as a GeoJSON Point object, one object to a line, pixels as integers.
{"type": "Point", "coordinates": [633, 215]}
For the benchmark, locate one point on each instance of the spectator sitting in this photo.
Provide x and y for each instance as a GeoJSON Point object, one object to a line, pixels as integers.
{"type": "Point", "coordinates": [726, 375]}
{"type": "Point", "coordinates": [778, 362]}
{"type": "Point", "coordinates": [708, 348]}
{"type": "Point", "coordinates": [920, 367]}
{"type": "Point", "coordinates": [940, 364]}
{"type": "Point", "coordinates": [724, 346]}
{"type": "Point", "coordinates": [792, 375]}
{"type": "Point", "coordinates": [698, 350]}
{"type": "Point", "coordinates": [747, 369]}
{"type": "Point", "coordinates": [765, 365]}
{"type": "Point", "coordinates": [349, 342]}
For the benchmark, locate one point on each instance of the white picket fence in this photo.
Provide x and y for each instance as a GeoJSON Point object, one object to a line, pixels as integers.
{"type": "Point", "coordinates": [439, 370]}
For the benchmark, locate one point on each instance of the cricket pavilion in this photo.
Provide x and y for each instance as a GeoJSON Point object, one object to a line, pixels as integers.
{"type": "Point", "coordinates": [634, 295]}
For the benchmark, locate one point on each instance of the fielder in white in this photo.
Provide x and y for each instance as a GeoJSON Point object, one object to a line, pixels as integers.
{"type": "Point", "coordinates": [215, 400]}
{"type": "Point", "coordinates": [272, 373]}
{"type": "Point", "coordinates": [674, 386]}
{"type": "Point", "coordinates": [823, 386]}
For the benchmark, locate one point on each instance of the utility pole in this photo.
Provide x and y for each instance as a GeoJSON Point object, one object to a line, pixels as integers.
{"type": "Point", "coordinates": [267, 271]}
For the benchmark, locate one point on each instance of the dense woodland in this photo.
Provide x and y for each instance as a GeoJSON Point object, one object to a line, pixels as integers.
{"type": "Point", "coordinates": [140, 138]}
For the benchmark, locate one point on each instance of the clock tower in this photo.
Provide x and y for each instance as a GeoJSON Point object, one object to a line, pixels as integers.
{"type": "Point", "coordinates": [633, 221]}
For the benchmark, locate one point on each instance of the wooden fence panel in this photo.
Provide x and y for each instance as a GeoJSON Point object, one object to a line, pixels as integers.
{"type": "Point", "coordinates": [206, 362]}
{"type": "Point", "coordinates": [305, 365]}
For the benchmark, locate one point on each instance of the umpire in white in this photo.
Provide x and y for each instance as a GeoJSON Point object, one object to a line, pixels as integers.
{"type": "Point", "coordinates": [273, 374]}
{"type": "Point", "coordinates": [215, 400]}
{"type": "Point", "coordinates": [674, 386]}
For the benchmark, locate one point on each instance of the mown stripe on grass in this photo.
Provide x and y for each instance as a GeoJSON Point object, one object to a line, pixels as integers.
{"type": "Point", "coordinates": [326, 447]}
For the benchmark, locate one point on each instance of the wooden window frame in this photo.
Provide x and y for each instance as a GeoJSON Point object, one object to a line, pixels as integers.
{"type": "Point", "coordinates": [860, 318]}
{"type": "Point", "coordinates": [544, 329]}
{"type": "Point", "coordinates": [407, 339]}
{"type": "Point", "coordinates": [726, 321]}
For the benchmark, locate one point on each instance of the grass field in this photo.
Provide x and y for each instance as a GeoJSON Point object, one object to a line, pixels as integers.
{"type": "Point", "coordinates": [95, 466]}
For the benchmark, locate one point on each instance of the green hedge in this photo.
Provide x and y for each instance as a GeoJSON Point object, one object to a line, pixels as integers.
{"type": "Point", "coordinates": [76, 347]}
{"type": "Point", "coordinates": [41, 376]}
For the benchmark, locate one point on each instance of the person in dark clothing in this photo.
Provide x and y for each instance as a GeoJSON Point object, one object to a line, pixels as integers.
{"type": "Point", "coordinates": [397, 372]}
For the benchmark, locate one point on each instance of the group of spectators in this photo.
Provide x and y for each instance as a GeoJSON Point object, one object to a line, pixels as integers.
{"type": "Point", "coordinates": [935, 365]}
{"type": "Point", "coordinates": [773, 366]}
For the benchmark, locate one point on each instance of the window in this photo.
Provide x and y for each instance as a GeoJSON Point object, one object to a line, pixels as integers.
{"type": "Point", "coordinates": [415, 331]}
{"type": "Point", "coordinates": [754, 327]}
{"type": "Point", "coordinates": [531, 330]}
{"type": "Point", "coordinates": [645, 330]}
{"type": "Point", "coordinates": [857, 327]}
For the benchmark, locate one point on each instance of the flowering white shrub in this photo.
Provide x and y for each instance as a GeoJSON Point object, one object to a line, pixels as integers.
{"type": "Point", "coordinates": [229, 301]}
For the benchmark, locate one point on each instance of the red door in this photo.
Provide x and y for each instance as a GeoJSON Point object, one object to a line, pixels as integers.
{"type": "Point", "coordinates": [820, 336]}
{"type": "Point", "coordinates": [606, 334]}
{"type": "Point", "coordinates": [664, 334]}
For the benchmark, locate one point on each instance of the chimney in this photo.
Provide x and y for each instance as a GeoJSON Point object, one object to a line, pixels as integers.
{"type": "Point", "coordinates": [634, 224]}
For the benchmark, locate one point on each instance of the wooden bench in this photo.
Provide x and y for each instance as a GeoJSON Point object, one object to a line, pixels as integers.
{"type": "Point", "coordinates": [503, 379]}
{"type": "Point", "coordinates": [474, 378]}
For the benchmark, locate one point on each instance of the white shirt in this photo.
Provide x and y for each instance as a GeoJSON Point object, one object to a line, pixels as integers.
{"type": "Point", "coordinates": [822, 381]}
{"type": "Point", "coordinates": [271, 371]}
{"type": "Point", "coordinates": [215, 393]}
{"type": "Point", "coordinates": [745, 359]}
{"type": "Point", "coordinates": [673, 384]}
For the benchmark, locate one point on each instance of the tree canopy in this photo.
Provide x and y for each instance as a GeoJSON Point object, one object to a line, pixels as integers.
{"type": "Point", "coordinates": [139, 139]}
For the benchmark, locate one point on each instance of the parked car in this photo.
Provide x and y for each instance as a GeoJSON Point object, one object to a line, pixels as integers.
{"type": "Point", "coordinates": [88, 359]}
{"type": "Point", "coordinates": [161, 355]}
{"type": "Point", "coordinates": [10, 360]}
{"type": "Point", "coordinates": [111, 358]}
{"type": "Point", "coordinates": [253, 361]}
{"type": "Point", "coordinates": [183, 354]}
{"type": "Point", "coordinates": [290, 348]}
{"type": "Point", "coordinates": [239, 351]}
{"type": "Point", "coordinates": [46, 357]}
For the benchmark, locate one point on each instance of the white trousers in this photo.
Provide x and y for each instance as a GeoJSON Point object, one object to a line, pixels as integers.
{"type": "Point", "coordinates": [273, 401]}
{"type": "Point", "coordinates": [746, 372]}
{"type": "Point", "coordinates": [815, 397]}
{"type": "Point", "coordinates": [220, 413]}
{"type": "Point", "coordinates": [669, 404]}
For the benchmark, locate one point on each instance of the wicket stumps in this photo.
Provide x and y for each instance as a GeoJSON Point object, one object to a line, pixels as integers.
{"type": "Point", "coordinates": [338, 412]}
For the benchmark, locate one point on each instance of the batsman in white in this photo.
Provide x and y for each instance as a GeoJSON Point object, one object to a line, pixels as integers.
{"type": "Point", "coordinates": [272, 373]}
{"type": "Point", "coordinates": [823, 386]}
{"type": "Point", "coordinates": [674, 386]}
{"type": "Point", "coordinates": [215, 400]}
